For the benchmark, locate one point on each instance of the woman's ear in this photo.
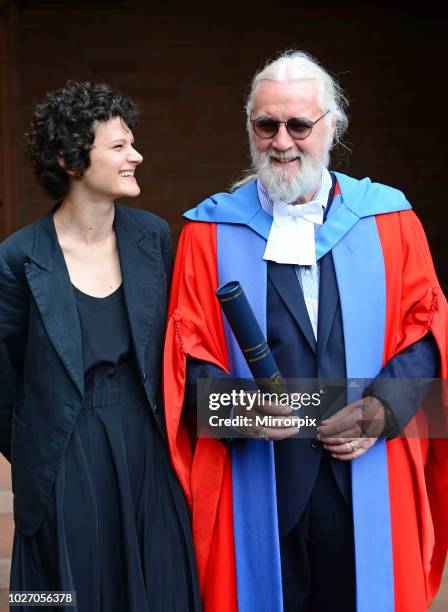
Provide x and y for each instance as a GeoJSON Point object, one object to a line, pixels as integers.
{"type": "Point", "coordinates": [61, 162]}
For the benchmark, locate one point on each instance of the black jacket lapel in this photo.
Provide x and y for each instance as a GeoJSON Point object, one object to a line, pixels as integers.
{"type": "Point", "coordinates": [328, 299]}
{"type": "Point", "coordinates": [50, 285]}
{"type": "Point", "coordinates": [328, 288]}
{"type": "Point", "coordinates": [140, 268]}
{"type": "Point", "coordinates": [285, 281]}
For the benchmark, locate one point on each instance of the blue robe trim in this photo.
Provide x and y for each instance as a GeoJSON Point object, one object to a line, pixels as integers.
{"type": "Point", "coordinates": [351, 231]}
{"type": "Point", "coordinates": [257, 548]}
{"type": "Point", "coordinates": [362, 292]}
{"type": "Point", "coordinates": [358, 199]}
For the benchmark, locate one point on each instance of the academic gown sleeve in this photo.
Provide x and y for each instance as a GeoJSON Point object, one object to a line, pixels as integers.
{"type": "Point", "coordinates": [195, 329]}
{"type": "Point", "coordinates": [418, 466]}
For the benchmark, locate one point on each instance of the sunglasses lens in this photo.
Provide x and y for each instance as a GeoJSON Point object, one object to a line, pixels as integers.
{"type": "Point", "coordinates": [297, 128]}
{"type": "Point", "coordinates": [265, 128]}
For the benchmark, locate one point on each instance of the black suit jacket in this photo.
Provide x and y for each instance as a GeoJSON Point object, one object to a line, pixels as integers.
{"type": "Point", "coordinates": [41, 363]}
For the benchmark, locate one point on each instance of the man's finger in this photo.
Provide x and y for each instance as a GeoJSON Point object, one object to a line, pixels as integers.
{"type": "Point", "coordinates": [340, 427]}
{"type": "Point", "coordinates": [343, 448]}
{"type": "Point", "coordinates": [355, 432]}
{"type": "Point", "coordinates": [350, 456]}
{"type": "Point", "coordinates": [350, 409]}
{"type": "Point", "coordinates": [349, 446]}
{"type": "Point", "coordinates": [268, 408]}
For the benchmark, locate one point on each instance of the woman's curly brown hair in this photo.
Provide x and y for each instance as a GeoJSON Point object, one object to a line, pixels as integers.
{"type": "Point", "coordinates": [63, 128]}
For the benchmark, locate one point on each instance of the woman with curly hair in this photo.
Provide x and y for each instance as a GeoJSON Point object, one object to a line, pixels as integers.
{"type": "Point", "coordinates": [83, 293]}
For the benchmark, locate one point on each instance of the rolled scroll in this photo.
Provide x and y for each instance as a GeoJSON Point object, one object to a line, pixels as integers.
{"type": "Point", "coordinates": [248, 334]}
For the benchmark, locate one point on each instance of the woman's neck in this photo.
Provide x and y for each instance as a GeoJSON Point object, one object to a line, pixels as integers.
{"type": "Point", "coordinates": [84, 220]}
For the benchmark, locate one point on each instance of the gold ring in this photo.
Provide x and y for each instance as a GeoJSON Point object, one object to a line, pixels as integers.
{"type": "Point", "coordinates": [353, 446]}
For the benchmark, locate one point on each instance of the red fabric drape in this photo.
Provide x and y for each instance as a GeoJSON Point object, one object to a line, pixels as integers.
{"type": "Point", "coordinates": [418, 468]}
{"type": "Point", "coordinates": [195, 328]}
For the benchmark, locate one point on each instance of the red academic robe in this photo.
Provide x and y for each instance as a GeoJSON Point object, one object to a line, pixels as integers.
{"type": "Point", "coordinates": [418, 468]}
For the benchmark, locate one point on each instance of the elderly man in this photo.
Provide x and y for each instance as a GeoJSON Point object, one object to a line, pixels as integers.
{"type": "Point", "coordinates": [339, 275]}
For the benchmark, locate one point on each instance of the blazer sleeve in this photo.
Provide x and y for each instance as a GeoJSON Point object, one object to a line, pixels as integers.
{"type": "Point", "coordinates": [415, 366]}
{"type": "Point", "coordinates": [13, 332]}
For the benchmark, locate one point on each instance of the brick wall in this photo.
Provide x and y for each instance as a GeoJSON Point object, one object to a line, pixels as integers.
{"type": "Point", "coordinates": [189, 65]}
{"type": "Point", "coordinates": [9, 151]}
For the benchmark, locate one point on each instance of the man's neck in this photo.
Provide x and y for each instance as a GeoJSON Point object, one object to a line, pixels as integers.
{"type": "Point", "coordinates": [306, 198]}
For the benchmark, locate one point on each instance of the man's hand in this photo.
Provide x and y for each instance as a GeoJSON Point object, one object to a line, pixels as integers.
{"type": "Point", "coordinates": [349, 433]}
{"type": "Point", "coordinates": [281, 427]}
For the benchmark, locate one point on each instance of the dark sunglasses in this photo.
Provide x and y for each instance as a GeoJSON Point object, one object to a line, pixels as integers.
{"type": "Point", "coordinates": [299, 129]}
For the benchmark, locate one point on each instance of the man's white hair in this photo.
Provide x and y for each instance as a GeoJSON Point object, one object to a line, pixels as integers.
{"type": "Point", "coordinates": [297, 65]}
{"type": "Point", "coordinates": [293, 66]}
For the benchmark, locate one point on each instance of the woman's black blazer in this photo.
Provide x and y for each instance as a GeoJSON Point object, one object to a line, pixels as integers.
{"type": "Point", "coordinates": [41, 364]}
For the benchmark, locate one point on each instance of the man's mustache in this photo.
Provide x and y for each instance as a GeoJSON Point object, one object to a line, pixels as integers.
{"type": "Point", "coordinates": [284, 156]}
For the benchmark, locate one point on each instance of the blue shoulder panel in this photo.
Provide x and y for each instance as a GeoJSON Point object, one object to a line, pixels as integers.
{"type": "Point", "coordinates": [241, 207]}
{"type": "Point", "coordinates": [364, 198]}
{"type": "Point", "coordinates": [358, 199]}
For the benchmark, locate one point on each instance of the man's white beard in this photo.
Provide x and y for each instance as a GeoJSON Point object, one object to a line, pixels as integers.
{"type": "Point", "coordinates": [281, 184]}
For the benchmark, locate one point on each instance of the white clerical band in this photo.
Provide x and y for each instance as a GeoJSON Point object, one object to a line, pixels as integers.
{"type": "Point", "coordinates": [292, 236]}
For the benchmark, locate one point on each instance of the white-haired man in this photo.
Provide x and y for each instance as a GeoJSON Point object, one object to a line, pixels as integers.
{"type": "Point", "coordinates": [339, 275]}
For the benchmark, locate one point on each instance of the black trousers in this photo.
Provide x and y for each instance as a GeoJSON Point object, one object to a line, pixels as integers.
{"type": "Point", "coordinates": [317, 555]}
